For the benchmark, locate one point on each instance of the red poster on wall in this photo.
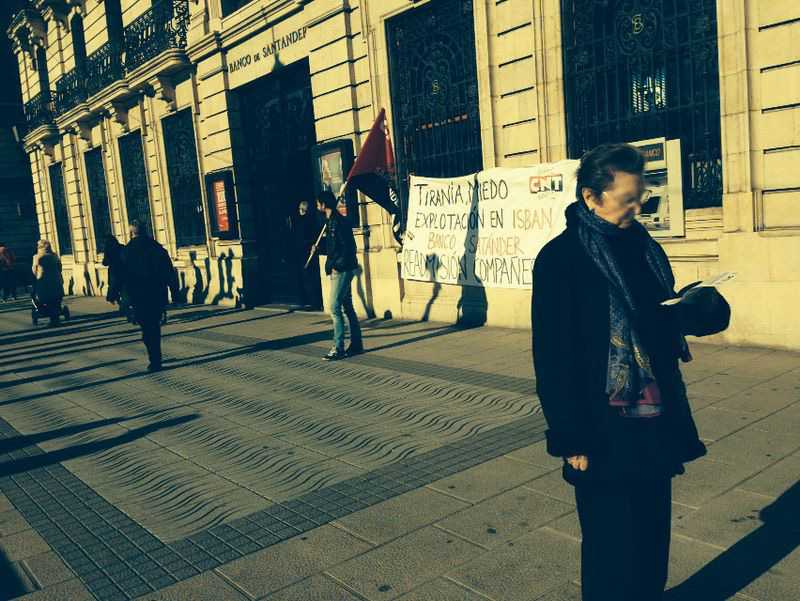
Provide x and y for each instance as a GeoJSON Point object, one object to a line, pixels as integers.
{"type": "Point", "coordinates": [221, 206]}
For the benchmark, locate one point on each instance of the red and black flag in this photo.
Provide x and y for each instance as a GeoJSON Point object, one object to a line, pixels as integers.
{"type": "Point", "coordinates": [374, 171]}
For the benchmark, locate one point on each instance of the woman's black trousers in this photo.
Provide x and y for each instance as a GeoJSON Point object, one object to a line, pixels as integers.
{"type": "Point", "coordinates": [626, 533]}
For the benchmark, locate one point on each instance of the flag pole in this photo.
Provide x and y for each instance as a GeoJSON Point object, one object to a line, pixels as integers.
{"type": "Point", "coordinates": [324, 227]}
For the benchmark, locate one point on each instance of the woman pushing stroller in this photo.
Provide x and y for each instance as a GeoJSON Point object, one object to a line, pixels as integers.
{"type": "Point", "coordinates": [48, 291]}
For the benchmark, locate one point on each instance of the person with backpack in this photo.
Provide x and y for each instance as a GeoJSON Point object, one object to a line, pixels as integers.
{"type": "Point", "coordinates": [7, 259]}
{"type": "Point", "coordinates": [148, 274]}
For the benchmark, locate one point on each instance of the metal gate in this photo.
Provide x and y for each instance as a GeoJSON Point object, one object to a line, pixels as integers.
{"type": "Point", "coordinates": [60, 212]}
{"type": "Point", "coordinates": [184, 179]}
{"type": "Point", "coordinates": [134, 180]}
{"type": "Point", "coordinates": [278, 123]}
{"type": "Point", "coordinates": [98, 196]}
{"type": "Point", "coordinates": [434, 90]}
{"type": "Point", "coordinates": [639, 69]}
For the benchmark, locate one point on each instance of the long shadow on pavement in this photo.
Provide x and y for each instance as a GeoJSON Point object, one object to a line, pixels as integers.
{"type": "Point", "coordinates": [748, 559]}
{"type": "Point", "coordinates": [18, 466]}
{"type": "Point", "coordinates": [12, 585]}
{"type": "Point", "coordinates": [69, 347]}
{"type": "Point", "coordinates": [279, 344]}
{"type": "Point", "coordinates": [60, 374]}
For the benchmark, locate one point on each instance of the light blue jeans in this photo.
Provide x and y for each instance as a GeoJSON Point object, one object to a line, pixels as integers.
{"type": "Point", "coordinates": [341, 304]}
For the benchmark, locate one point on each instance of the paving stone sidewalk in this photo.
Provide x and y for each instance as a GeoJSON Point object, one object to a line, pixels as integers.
{"type": "Point", "coordinates": [250, 469]}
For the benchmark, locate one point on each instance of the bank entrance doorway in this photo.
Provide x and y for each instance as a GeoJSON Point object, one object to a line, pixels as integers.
{"type": "Point", "coordinates": [278, 124]}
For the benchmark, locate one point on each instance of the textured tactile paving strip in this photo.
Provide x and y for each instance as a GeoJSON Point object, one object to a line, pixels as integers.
{"type": "Point", "coordinates": [116, 558]}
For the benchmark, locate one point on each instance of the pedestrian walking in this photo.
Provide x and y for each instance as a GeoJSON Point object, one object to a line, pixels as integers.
{"type": "Point", "coordinates": [606, 357]}
{"type": "Point", "coordinates": [340, 264]}
{"type": "Point", "coordinates": [48, 290]}
{"type": "Point", "coordinates": [112, 258]}
{"type": "Point", "coordinates": [148, 274]}
{"type": "Point", "coordinates": [7, 259]}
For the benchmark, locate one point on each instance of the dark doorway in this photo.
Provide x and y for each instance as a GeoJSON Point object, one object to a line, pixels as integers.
{"type": "Point", "coordinates": [635, 70]}
{"type": "Point", "coordinates": [278, 124]}
{"type": "Point", "coordinates": [434, 90]}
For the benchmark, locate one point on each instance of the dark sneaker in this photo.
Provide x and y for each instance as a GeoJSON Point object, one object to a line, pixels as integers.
{"type": "Point", "coordinates": [334, 355]}
{"type": "Point", "coordinates": [154, 367]}
{"type": "Point", "coordinates": [354, 349]}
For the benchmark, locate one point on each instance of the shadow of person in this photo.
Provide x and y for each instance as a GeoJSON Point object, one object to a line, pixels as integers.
{"type": "Point", "coordinates": [199, 293]}
{"type": "Point", "coordinates": [87, 281]}
{"type": "Point", "coordinates": [752, 556]}
{"type": "Point", "coordinates": [13, 585]}
{"type": "Point", "coordinates": [225, 275]}
{"type": "Point", "coordinates": [431, 260]}
{"type": "Point", "coordinates": [19, 466]}
{"type": "Point", "coordinates": [359, 277]}
{"type": "Point", "coordinates": [472, 306]}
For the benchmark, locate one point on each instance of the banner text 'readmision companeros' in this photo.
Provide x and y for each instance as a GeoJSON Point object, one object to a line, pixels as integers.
{"type": "Point", "coordinates": [485, 229]}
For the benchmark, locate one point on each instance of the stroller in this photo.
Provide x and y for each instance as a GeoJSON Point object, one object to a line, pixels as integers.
{"type": "Point", "coordinates": [42, 310]}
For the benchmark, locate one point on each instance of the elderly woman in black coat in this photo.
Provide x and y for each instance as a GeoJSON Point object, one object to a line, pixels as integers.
{"type": "Point", "coordinates": [606, 358]}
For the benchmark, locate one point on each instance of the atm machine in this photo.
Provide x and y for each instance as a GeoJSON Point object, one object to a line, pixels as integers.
{"type": "Point", "coordinates": [662, 214]}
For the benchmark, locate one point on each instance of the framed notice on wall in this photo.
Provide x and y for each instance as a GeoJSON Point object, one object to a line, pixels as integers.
{"type": "Point", "coordinates": [222, 205]}
{"type": "Point", "coordinates": [331, 162]}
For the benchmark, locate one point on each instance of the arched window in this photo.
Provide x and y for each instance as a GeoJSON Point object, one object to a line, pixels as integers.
{"type": "Point", "coordinates": [114, 20]}
{"type": "Point", "coordinates": [78, 41]}
{"type": "Point", "coordinates": [41, 68]}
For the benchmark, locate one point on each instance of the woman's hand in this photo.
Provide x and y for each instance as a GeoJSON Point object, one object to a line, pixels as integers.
{"type": "Point", "coordinates": [579, 462]}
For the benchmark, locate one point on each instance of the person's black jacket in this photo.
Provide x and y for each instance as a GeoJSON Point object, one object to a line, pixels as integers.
{"type": "Point", "coordinates": [148, 273]}
{"type": "Point", "coordinates": [112, 258]}
{"type": "Point", "coordinates": [340, 244]}
{"type": "Point", "coordinates": [571, 331]}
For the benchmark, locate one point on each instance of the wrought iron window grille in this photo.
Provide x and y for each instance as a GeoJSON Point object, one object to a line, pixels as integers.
{"type": "Point", "coordinates": [641, 69]}
{"type": "Point", "coordinates": [60, 212]}
{"type": "Point", "coordinates": [70, 90]}
{"type": "Point", "coordinates": [40, 110]}
{"type": "Point", "coordinates": [98, 196]}
{"type": "Point", "coordinates": [161, 27]}
{"type": "Point", "coordinates": [134, 179]}
{"type": "Point", "coordinates": [434, 91]}
{"type": "Point", "coordinates": [183, 174]}
{"type": "Point", "coordinates": [104, 66]}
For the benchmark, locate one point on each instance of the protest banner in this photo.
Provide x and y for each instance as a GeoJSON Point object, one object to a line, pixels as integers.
{"type": "Point", "coordinates": [485, 229]}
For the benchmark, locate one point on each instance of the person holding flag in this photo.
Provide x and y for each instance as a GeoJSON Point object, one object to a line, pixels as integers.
{"type": "Point", "coordinates": [340, 265]}
{"type": "Point", "coordinates": [373, 174]}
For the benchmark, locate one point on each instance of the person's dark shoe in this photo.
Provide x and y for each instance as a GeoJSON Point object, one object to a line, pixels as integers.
{"type": "Point", "coordinates": [354, 349]}
{"type": "Point", "coordinates": [334, 355]}
{"type": "Point", "coordinates": [154, 367]}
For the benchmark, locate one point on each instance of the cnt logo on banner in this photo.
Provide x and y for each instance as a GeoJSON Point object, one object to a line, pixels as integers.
{"type": "Point", "coordinates": [485, 229]}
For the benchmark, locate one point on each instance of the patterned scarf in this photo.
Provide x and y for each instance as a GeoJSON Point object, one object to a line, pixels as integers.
{"type": "Point", "coordinates": [630, 381]}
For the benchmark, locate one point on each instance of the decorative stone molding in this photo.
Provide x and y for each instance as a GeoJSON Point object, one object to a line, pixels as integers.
{"type": "Point", "coordinates": [82, 130]}
{"type": "Point", "coordinates": [55, 10]}
{"type": "Point", "coordinates": [27, 31]}
{"type": "Point", "coordinates": [119, 113]}
{"type": "Point", "coordinates": [164, 90]}
{"type": "Point", "coordinates": [46, 146]}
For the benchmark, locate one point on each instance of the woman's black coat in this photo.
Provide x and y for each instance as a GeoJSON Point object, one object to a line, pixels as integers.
{"type": "Point", "coordinates": [570, 315]}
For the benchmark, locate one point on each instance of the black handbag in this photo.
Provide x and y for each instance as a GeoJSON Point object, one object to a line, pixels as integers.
{"type": "Point", "coordinates": [703, 310]}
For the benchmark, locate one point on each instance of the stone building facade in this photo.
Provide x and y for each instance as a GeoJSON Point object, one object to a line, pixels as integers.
{"type": "Point", "coordinates": [200, 118]}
